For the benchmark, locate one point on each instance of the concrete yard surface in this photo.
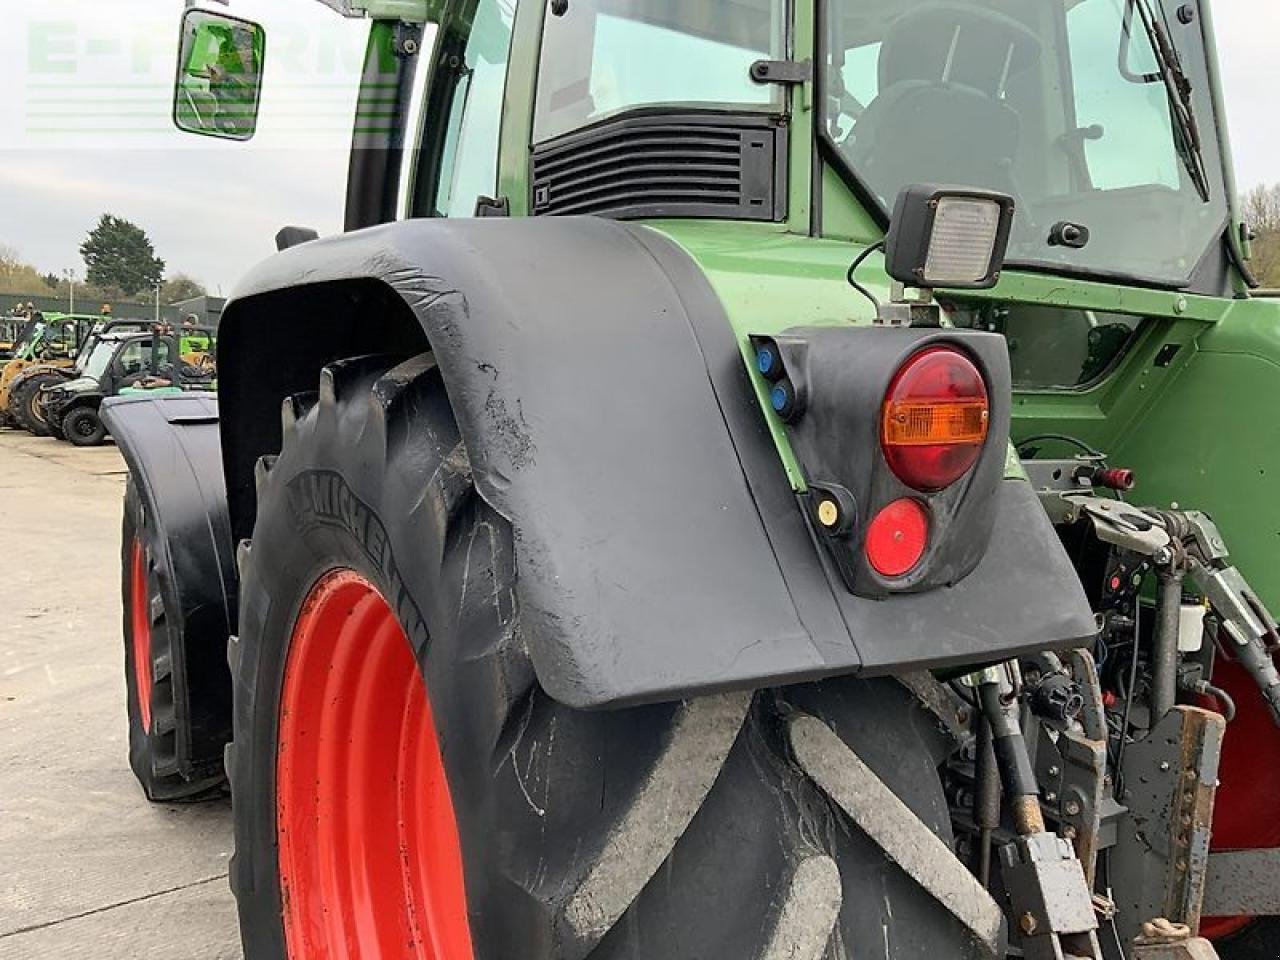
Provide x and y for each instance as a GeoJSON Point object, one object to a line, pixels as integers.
{"type": "Point", "coordinates": [88, 868]}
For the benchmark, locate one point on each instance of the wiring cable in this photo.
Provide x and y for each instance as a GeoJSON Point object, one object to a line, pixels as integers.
{"type": "Point", "coordinates": [857, 262]}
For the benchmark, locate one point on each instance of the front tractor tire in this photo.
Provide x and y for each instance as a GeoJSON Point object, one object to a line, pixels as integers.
{"type": "Point", "coordinates": [403, 787]}
{"type": "Point", "coordinates": [148, 666]}
{"type": "Point", "coordinates": [83, 427]}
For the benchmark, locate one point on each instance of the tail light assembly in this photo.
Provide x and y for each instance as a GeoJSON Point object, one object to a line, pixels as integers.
{"type": "Point", "coordinates": [935, 418]}
{"type": "Point", "coordinates": [902, 435]}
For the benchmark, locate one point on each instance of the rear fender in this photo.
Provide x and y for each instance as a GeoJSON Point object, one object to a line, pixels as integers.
{"type": "Point", "coordinates": [608, 414]}
{"type": "Point", "coordinates": [171, 446]}
{"type": "Point", "coordinates": [38, 370]}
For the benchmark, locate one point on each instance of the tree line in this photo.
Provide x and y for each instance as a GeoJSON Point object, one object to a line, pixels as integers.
{"type": "Point", "coordinates": [1262, 214]}
{"type": "Point", "coordinates": [120, 263]}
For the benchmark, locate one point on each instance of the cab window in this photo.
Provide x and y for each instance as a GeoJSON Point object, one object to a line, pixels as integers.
{"type": "Point", "coordinates": [133, 358]}
{"type": "Point", "coordinates": [603, 57]}
{"type": "Point", "coordinates": [1053, 348]}
{"type": "Point", "coordinates": [1133, 145]}
{"type": "Point", "coordinates": [460, 165]}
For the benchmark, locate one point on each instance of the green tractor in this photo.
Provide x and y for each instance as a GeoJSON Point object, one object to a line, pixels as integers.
{"type": "Point", "coordinates": [754, 480]}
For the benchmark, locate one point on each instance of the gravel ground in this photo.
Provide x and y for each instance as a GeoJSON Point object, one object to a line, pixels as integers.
{"type": "Point", "coordinates": [88, 869]}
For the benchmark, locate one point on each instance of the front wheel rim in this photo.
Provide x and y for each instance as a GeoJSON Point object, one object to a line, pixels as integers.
{"type": "Point", "coordinates": [84, 427]}
{"type": "Point", "coordinates": [369, 859]}
{"type": "Point", "coordinates": [39, 413]}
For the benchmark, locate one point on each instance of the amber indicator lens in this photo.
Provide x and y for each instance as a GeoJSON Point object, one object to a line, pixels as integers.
{"type": "Point", "coordinates": [935, 419]}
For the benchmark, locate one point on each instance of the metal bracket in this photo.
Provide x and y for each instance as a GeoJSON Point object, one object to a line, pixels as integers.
{"type": "Point", "coordinates": [493, 207]}
{"type": "Point", "coordinates": [782, 71]}
{"type": "Point", "coordinates": [1073, 770]}
{"type": "Point", "coordinates": [1049, 898]}
{"type": "Point", "coordinates": [408, 39]}
{"type": "Point", "coordinates": [1160, 861]}
{"type": "Point", "coordinates": [1195, 948]}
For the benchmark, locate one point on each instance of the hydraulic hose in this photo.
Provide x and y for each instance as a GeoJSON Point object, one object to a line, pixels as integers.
{"type": "Point", "coordinates": [1224, 699]}
{"type": "Point", "coordinates": [986, 807]}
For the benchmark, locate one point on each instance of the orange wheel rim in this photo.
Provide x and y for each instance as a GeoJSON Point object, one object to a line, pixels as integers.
{"type": "Point", "coordinates": [369, 857]}
{"type": "Point", "coordinates": [140, 622]}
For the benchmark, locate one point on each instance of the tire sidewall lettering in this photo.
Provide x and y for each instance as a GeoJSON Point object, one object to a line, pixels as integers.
{"type": "Point", "coordinates": [324, 499]}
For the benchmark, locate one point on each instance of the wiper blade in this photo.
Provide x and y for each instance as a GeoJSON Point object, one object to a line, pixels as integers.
{"type": "Point", "coordinates": [1180, 92]}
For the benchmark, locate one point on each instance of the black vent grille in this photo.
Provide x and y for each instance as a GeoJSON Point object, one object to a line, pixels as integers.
{"type": "Point", "coordinates": [664, 166]}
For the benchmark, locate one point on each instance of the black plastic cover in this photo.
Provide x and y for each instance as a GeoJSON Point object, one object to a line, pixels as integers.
{"type": "Point", "coordinates": [841, 376]}
{"type": "Point", "coordinates": [608, 414]}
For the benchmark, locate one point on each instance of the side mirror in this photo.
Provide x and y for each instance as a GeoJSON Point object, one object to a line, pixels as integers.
{"type": "Point", "coordinates": [219, 83]}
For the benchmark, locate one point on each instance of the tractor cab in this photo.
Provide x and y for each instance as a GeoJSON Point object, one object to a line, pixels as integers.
{"type": "Point", "coordinates": [10, 332]}
{"type": "Point", "coordinates": [798, 126]}
{"type": "Point", "coordinates": [106, 325]}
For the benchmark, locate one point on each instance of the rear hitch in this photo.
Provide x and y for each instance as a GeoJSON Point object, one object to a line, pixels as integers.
{"type": "Point", "coordinates": [1052, 904]}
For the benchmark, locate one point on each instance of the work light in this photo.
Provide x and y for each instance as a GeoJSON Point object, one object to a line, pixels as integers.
{"type": "Point", "coordinates": [948, 237]}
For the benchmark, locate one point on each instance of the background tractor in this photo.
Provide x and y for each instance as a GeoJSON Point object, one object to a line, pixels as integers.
{"type": "Point", "coordinates": [27, 389]}
{"type": "Point", "coordinates": [127, 363]}
{"type": "Point", "coordinates": [754, 479]}
{"type": "Point", "coordinates": [48, 344]}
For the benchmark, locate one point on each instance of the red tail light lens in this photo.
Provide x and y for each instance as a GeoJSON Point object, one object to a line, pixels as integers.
{"type": "Point", "coordinates": [897, 537]}
{"type": "Point", "coordinates": [935, 419]}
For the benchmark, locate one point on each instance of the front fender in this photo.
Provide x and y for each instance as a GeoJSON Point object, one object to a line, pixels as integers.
{"type": "Point", "coordinates": [609, 416]}
{"type": "Point", "coordinates": [60, 406]}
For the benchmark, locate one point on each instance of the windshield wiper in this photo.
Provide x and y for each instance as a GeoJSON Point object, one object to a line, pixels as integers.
{"type": "Point", "coordinates": [1179, 91]}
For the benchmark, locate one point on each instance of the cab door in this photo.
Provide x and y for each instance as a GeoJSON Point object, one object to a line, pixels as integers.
{"type": "Point", "coordinates": [454, 165]}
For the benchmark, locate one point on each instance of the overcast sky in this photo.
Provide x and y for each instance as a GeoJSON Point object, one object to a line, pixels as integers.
{"type": "Point", "coordinates": [85, 87]}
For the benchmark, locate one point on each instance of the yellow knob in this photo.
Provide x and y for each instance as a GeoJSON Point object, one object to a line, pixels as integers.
{"type": "Point", "coordinates": [828, 513]}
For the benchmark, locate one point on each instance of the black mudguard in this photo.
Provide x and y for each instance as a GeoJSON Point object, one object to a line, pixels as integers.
{"type": "Point", "coordinates": [172, 448]}
{"type": "Point", "coordinates": [609, 417]}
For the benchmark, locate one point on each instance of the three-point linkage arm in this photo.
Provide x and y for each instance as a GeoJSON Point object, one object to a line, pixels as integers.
{"type": "Point", "coordinates": [1184, 543]}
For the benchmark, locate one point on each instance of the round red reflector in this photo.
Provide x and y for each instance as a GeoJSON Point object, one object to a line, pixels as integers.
{"type": "Point", "coordinates": [935, 418]}
{"type": "Point", "coordinates": [897, 537]}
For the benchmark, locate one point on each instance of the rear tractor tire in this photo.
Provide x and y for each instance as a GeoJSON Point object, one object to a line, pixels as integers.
{"type": "Point", "coordinates": [148, 667]}
{"type": "Point", "coordinates": [83, 427]}
{"type": "Point", "coordinates": [403, 787]}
